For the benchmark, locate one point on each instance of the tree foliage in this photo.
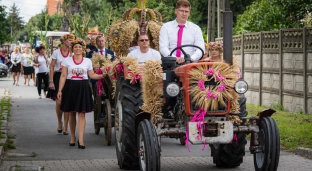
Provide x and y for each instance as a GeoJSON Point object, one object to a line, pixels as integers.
{"type": "Point", "coordinates": [266, 15]}
{"type": "Point", "coordinates": [4, 25]}
{"type": "Point", "coordinates": [15, 20]}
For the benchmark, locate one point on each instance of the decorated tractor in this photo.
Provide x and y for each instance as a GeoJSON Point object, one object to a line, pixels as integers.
{"type": "Point", "coordinates": [209, 106]}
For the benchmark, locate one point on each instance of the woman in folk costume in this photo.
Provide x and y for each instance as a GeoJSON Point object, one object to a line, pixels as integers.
{"type": "Point", "coordinates": [55, 73]}
{"type": "Point", "coordinates": [27, 62]}
{"type": "Point", "coordinates": [41, 61]}
{"type": "Point", "coordinates": [16, 58]}
{"type": "Point", "coordinates": [215, 51]}
{"type": "Point", "coordinates": [74, 90]}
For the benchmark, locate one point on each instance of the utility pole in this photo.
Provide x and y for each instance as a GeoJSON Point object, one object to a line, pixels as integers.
{"type": "Point", "coordinates": [211, 20]}
{"type": "Point", "coordinates": [220, 17]}
{"type": "Point", "coordinates": [227, 33]}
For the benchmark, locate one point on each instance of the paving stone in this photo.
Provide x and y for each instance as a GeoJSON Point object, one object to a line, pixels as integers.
{"type": "Point", "coordinates": [287, 163]}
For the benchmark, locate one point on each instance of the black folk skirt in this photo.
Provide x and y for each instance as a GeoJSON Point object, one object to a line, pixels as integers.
{"type": "Point", "coordinates": [77, 97]}
{"type": "Point", "coordinates": [52, 94]}
{"type": "Point", "coordinates": [28, 70]}
{"type": "Point", "coordinates": [16, 68]}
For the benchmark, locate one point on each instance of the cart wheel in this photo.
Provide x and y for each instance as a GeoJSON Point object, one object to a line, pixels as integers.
{"type": "Point", "coordinates": [269, 139]}
{"type": "Point", "coordinates": [108, 122]}
{"type": "Point", "coordinates": [96, 114]}
{"type": "Point", "coordinates": [148, 147]}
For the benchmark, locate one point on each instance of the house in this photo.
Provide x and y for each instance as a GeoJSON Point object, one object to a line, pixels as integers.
{"type": "Point", "coordinates": [54, 6]}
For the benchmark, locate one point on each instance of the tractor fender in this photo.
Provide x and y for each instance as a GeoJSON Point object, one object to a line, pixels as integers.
{"type": "Point", "coordinates": [140, 117]}
{"type": "Point", "coordinates": [264, 113]}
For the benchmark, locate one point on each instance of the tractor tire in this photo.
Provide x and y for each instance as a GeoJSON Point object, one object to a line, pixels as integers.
{"type": "Point", "coordinates": [128, 102]}
{"type": "Point", "coordinates": [268, 137]}
{"type": "Point", "coordinates": [148, 146]}
{"type": "Point", "coordinates": [231, 155]}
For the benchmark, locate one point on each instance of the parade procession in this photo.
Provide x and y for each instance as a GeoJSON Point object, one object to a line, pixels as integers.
{"type": "Point", "coordinates": [149, 89]}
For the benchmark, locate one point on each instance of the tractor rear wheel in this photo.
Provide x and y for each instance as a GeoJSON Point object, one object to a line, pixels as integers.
{"type": "Point", "coordinates": [231, 155]}
{"type": "Point", "coordinates": [148, 146]}
{"type": "Point", "coordinates": [269, 139]}
{"type": "Point", "coordinates": [127, 106]}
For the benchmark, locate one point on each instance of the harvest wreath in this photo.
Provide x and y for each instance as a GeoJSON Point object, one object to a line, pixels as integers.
{"type": "Point", "coordinates": [212, 97]}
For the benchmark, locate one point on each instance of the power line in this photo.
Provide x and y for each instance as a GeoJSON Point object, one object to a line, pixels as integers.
{"type": "Point", "coordinates": [32, 4]}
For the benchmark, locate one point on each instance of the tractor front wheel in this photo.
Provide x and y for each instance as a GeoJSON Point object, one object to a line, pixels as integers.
{"type": "Point", "coordinates": [128, 105]}
{"type": "Point", "coordinates": [148, 147]}
{"type": "Point", "coordinates": [268, 138]}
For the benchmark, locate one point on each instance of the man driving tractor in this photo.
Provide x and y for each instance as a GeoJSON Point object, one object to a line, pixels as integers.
{"type": "Point", "coordinates": [181, 32]}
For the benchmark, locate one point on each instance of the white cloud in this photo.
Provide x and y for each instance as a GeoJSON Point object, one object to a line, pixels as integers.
{"type": "Point", "coordinates": [28, 8]}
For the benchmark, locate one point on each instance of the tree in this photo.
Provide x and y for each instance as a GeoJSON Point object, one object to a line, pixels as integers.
{"type": "Point", "coordinates": [262, 15]}
{"type": "Point", "coordinates": [69, 7]}
{"type": "Point", "coordinates": [15, 20]}
{"type": "Point", "coordinates": [266, 15]}
{"type": "Point", "coordinates": [4, 25]}
{"type": "Point", "coordinates": [294, 10]}
{"type": "Point", "coordinates": [100, 12]}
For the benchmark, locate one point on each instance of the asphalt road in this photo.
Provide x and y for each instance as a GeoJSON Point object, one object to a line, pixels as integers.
{"type": "Point", "coordinates": [34, 123]}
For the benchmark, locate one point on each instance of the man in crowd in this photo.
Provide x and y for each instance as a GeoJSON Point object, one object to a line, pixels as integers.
{"type": "Point", "coordinates": [181, 32]}
{"type": "Point", "coordinates": [92, 44]}
{"type": "Point", "coordinates": [144, 52]}
{"type": "Point", "coordinates": [100, 43]}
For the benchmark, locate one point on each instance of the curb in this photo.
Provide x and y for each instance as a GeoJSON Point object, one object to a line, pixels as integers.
{"type": "Point", "coordinates": [4, 127]}
{"type": "Point", "coordinates": [304, 152]}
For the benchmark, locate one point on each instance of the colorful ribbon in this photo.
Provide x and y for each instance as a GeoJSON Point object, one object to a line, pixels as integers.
{"type": "Point", "coordinates": [135, 77]}
{"type": "Point", "coordinates": [198, 117]}
{"type": "Point", "coordinates": [209, 72]}
{"type": "Point", "coordinates": [99, 83]}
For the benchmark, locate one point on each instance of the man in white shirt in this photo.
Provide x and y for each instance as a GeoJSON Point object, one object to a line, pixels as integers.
{"type": "Point", "coordinates": [144, 52]}
{"type": "Point", "coordinates": [181, 32]}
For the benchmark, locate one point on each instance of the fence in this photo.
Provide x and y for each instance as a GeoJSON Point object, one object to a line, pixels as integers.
{"type": "Point", "coordinates": [278, 67]}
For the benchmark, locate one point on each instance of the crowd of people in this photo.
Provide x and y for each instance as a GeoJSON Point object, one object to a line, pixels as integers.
{"type": "Point", "coordinates": [66, 73]}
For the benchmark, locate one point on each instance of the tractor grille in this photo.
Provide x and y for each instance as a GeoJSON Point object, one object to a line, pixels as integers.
{"type": "Point", "coordinates": [220, 109]}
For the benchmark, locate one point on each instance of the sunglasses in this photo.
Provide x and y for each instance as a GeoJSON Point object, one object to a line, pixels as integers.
{"type": "Point", "coordinates": [143, 40]}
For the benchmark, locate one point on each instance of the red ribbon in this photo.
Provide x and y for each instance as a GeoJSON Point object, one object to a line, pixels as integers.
{"type": "Point", "coordinates": [99, 83]}
{"type": "Point", "coordinates": [135, 77]}
{"type": "Point", "coordinates": [119, 68]}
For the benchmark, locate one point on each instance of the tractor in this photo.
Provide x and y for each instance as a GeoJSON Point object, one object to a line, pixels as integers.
{"type": "Point", "coordinates": [209, 107]}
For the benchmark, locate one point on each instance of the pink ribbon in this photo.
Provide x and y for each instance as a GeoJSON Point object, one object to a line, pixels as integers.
{"type": "Point", "coordinates": [201, 85]}
{"type": "Point", "coordinates": [108, 68]}
{"type": "Point", "coordinates": [211, 95]}
{"type": "Point", "coordinates": [239, 75]}
{"type": "Point", "coordinates": [198, 117]}
{"type": "Point", "coordinates": [235, 139]}
{"type": "Point", "coordinates": [99, 83]}
{"type": "Point", "coordinates": [119, 68]}
{"type": "Point", "coordinates": [221, 87]}
{"type": "Point", "coordinates": [114, 77]}
{"type": "Point", "coordinates": [219, 77]}
{"type": "Point", "coordinates": [209, 72]}
{"type": "Point", "coordinates": [135, 77]}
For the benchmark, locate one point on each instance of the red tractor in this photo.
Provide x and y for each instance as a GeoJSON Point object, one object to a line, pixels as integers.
{"type": "Point", "coordinates": [209, 108]}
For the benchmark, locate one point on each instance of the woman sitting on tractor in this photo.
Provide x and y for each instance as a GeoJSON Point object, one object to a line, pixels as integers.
{"type": "Point", "coordinates": [214, 52]}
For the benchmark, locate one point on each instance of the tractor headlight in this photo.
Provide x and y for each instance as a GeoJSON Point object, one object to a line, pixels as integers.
{"type": "Point", "coordinates": [241, 87]}
{"type": "Point", "coordinates": [172, 89]}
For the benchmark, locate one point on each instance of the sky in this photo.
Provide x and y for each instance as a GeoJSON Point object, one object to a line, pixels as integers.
{"type": "Point", "coordinates": [28, 8]}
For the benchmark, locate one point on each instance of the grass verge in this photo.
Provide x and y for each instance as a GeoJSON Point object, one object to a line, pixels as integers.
{"type": "Point", "coordinates": [294, 128]}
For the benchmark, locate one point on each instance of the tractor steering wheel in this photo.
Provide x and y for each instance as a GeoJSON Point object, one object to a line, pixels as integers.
{"type": "Point", "coordinates": [187, 57]}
